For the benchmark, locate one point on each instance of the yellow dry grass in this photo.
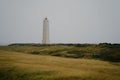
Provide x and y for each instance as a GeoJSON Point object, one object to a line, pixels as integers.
{"type": "Point", "coordinates": [84, 69]}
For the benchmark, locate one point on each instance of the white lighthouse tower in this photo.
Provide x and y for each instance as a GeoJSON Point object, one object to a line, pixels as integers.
{"type": "Point", "coordinates": [45, 31]}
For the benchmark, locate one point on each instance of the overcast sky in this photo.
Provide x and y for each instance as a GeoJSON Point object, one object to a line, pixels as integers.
{"type": "Point", "coordinates": [71, 21]}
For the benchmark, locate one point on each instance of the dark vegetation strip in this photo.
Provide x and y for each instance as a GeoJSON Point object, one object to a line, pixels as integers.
{"type": "Point", "coordinates": [103, 51]}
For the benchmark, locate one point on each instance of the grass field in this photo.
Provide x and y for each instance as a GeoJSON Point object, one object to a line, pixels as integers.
{"type": "Point", "coordinates": [17, 64]}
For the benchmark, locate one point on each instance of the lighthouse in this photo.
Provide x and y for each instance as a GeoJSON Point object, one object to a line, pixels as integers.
{"type": "Point", "coordinates": [45, 39]}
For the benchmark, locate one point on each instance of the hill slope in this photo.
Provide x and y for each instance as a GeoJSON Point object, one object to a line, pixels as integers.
{"type": "Point", "coordinates": [107, 52]}
{"type": "Point", "coordinates": [21, 66]}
